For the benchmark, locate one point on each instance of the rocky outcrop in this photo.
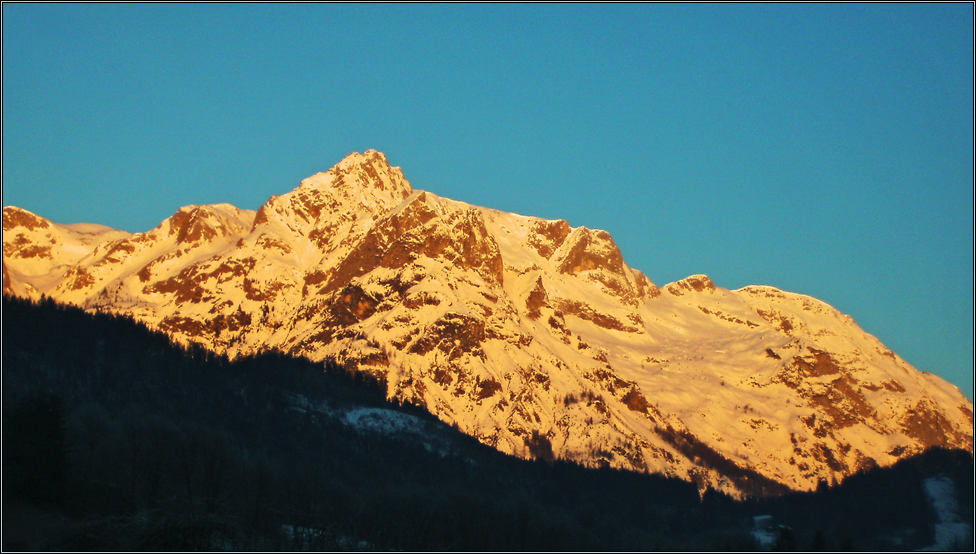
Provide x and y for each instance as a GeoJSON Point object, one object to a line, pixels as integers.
{"type": "Point", "coordinates": [547, 236]}
{"type": "Point", "coordinates": [694, 283]}
{"type": "Point", "coordinates": [14, 217]}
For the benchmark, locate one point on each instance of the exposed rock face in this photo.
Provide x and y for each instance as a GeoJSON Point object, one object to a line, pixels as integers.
{"type": "Point", "coordinates": [531, 335]}
{"type": "Point", "coordinates": [8, 284]}
{"type": "Point", "coordinates": [586, 250]}
{"type": "Point", "coordinates": [14, 218]}
{"type": "Point", "coordinates": [536, 299]}
{"type": "Point", "coordinates": [694, 283]}
{"type": "Point", "coordinates": [196, 224]}
{"type": "Point", "coordinates": [547, 236]}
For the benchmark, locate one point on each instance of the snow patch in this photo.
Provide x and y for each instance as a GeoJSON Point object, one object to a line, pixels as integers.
{"type": "Point", "coordinates": [398, 425]}
{"type": "Point", "coordinates": [950, 532]}
{"type": "Point", "coordinates": [383, 421]}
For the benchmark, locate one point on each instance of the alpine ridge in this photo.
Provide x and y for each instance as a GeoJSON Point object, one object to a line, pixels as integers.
{"type": "Point", "coordinates": [532, 335]}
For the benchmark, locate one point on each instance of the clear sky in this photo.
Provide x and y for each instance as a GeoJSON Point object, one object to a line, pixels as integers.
{"type": "Point", "coordinates": [821, 149]}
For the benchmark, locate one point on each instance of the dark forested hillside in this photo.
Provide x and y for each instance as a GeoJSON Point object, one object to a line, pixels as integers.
{"type": "Point", "coordinates": [113, 438]}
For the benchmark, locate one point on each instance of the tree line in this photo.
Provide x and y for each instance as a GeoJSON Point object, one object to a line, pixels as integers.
{"type": "Point", "coordinates": [114, 438]}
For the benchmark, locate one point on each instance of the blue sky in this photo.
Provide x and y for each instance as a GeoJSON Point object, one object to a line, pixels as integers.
{"type": "Point", "coordinates": [822, 149]}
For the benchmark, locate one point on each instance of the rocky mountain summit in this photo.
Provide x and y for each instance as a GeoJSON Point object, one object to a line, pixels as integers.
{"type": "Point", "coordinates": [532, 335]}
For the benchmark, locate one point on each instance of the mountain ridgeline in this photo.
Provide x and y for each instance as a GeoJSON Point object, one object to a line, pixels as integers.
{"type": "Point", "coordinates": [533, 336]}
{"type": "Point", "coordinates": [116, 439]}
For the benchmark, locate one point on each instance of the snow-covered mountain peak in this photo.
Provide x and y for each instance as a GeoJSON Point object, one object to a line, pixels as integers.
{"type": "Point", "coordinates": [370, 157]}
{"type": "Point", "coordinates": [343, 200]}
{"type": "Point", "coordinates": [363, 176]}
{"type": "Point", "coordinates": [529, 334]}
{"type": "Point", "coordinates": [191, 224]}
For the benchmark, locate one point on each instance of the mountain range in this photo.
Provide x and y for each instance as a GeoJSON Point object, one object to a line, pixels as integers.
{"type": "Point", "coordinates": [529, 334]}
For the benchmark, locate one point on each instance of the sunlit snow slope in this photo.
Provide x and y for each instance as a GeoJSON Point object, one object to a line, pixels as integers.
{"type": "Point", "coordinates": [532, 335]}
